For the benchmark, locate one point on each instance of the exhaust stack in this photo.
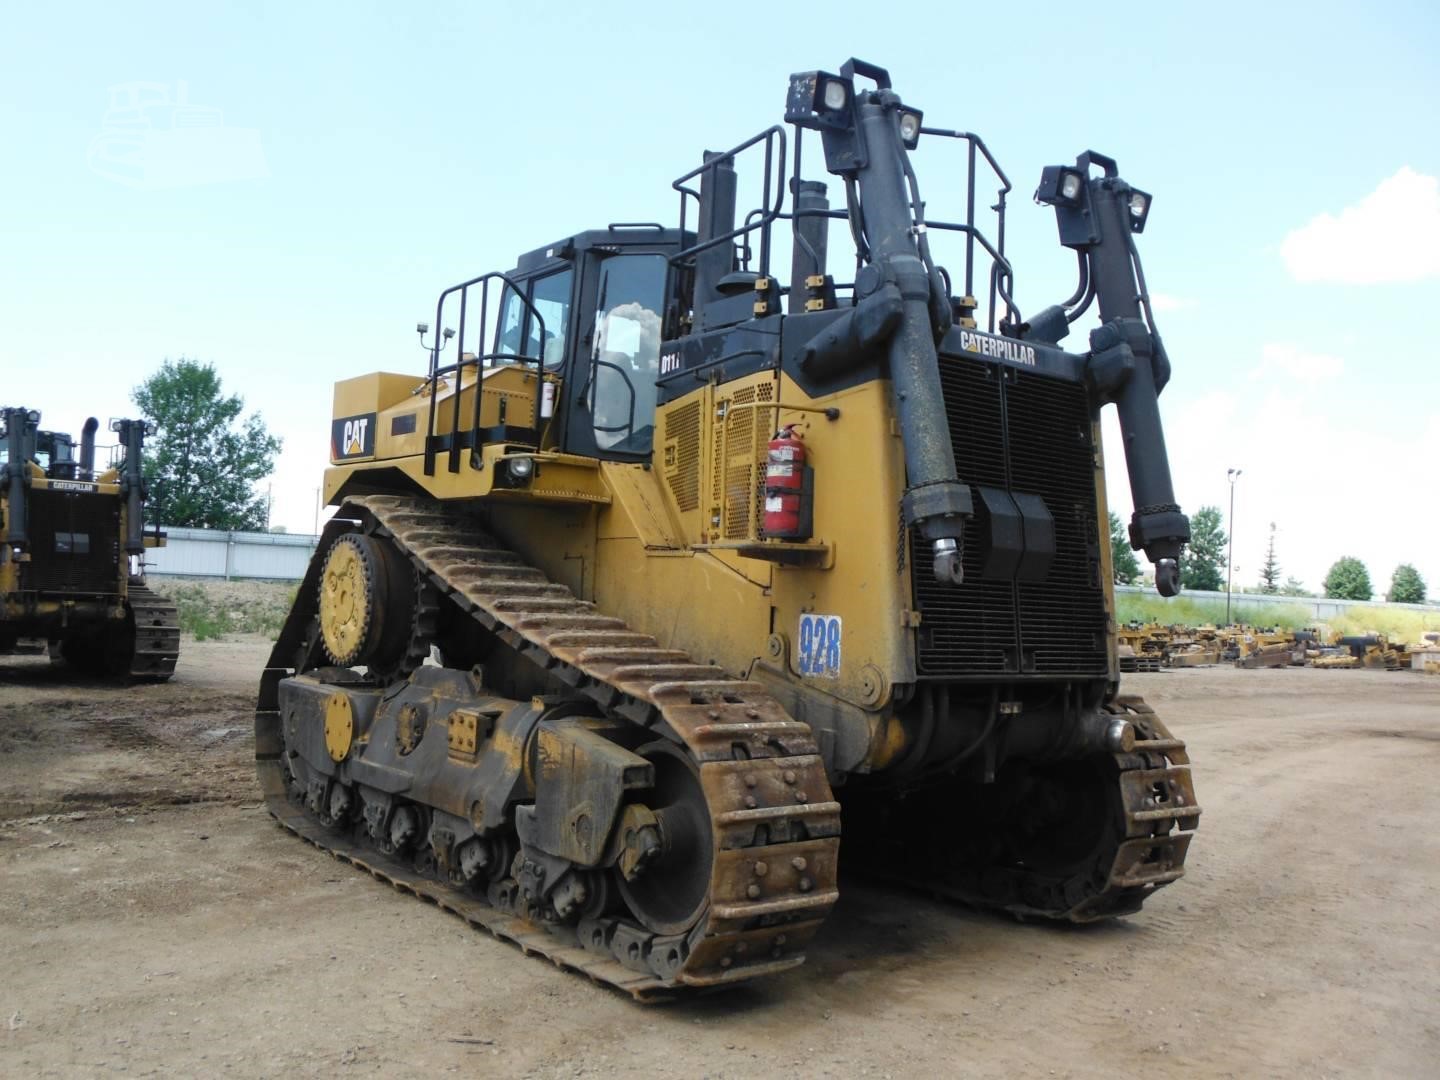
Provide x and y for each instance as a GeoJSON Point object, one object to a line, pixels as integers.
{"type": "Point", "coordinates": [15, 473]}
{"type": "Point", "coordinates": [717, 219]}
{"type": "Point", "coordinates": [87, 448]}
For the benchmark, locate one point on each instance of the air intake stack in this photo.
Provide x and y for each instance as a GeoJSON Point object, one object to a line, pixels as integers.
{"type": "Point", "coordinates": [808, 256]}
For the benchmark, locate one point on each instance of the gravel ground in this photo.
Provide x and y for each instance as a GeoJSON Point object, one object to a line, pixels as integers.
{"type": "Point", "coordinates": [155, 921]}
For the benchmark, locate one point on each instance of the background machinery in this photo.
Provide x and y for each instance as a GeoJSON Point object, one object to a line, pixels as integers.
{"type": "Point", "coordinates": [71, 565]}
{"type": "Point", "coordinates": [720, 569]}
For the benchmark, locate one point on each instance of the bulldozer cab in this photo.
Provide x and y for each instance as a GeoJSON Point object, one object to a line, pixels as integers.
{"type": "Point", "coordinates": [586, 316]}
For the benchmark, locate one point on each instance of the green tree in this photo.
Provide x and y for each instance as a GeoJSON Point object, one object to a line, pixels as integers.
{"type": "Point", "coordinates": [1203, 565]}
{"type": "Point", "coordinates": [203, 461]}
{"type": "Point", "coordinates": [1294, 587]}
{"type": "Point", "coordinates": [1406, 586]}
{"type": "Point", "coordinates": [1348, 580]}
{"type": "Point", "coordinates": [1122, 558]}
{"type": "Point", "coordinates": [1270, 572]}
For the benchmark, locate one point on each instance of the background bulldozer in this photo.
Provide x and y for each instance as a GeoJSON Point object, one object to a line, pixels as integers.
{"type": "Point", "coordinates": [71, 567]}
{"type": "Point", "coordinates": [721, 567]}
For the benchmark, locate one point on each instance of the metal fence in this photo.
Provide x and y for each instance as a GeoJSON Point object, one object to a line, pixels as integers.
{"type": "Point", "coordinates": [218, 553]}
{"type": "Point", "coordinates": [1320, 607]}
{"type": "Point", "coordinates": [283, 557]}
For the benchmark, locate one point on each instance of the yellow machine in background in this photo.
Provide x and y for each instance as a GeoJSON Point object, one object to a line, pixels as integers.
{"type": "Point", "coordinates": [71, 569]}
{"type": "Point", "coordinates": [710, 564]}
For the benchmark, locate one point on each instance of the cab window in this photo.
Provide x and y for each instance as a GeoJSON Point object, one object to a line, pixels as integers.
{"type": "Point", "coordinates": [519, 333]}
{"type": "Point", "coordinates": [626, 352]}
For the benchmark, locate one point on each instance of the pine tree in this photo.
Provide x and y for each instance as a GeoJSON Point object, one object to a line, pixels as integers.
{"type": "Point", "coordinates": [1270, 572]}
{"type": "Point", "coordinates": [1294, 587]}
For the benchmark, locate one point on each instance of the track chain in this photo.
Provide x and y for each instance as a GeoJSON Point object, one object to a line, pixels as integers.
{"type": "Point", "coordinates": [775, 823]}
{"type": "Point", "coordinates": [1158, 816]}
{"type": "Point", "coordinates": [157, 633]}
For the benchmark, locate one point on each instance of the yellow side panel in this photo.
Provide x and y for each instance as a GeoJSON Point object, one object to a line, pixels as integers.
{"type": "Point", "coordinates": [643, 512]}
{"type": "Point", "coordinates": [709, 468]}
{"type": "Point", "coordinates": [374, 392]}
{"type": "Point", "coordinates": [859, 479]}
{"type": "Point", "coordinates": [399, 407]}
{"type": "Point", "coordinates": [689, 601]}
{"type": "Point", "coordinates": [558, 478]}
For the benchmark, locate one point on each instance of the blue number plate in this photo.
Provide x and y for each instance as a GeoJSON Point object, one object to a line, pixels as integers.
{"type": "Point", "coordinates": [819, 651]}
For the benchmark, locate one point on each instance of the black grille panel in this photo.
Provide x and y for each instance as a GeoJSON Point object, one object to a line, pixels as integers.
{"type": "Point", "coordinates": [60, 567]}
{"type": "Point", "coordinates": [1031, 434]}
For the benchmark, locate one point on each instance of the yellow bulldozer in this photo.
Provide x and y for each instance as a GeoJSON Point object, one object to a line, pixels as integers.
{"type": "Point", "coordinates": [667, 574]}
{"type": "Point", "coordinates": [72, 563]}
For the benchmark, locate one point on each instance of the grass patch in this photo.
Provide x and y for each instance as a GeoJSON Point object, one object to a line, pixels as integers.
{"type": "Point", "coordinates": [1397, 624]}
{"type": "Point", "coordinates": [1190, 611]}
{"type": "Point", "coordinates": [211, 610]}
{"type": "Point", "coordinates": [205, 625]}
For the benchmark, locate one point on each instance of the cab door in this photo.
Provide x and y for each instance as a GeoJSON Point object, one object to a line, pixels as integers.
{"type": "Point", "coordinates": [610, 394]}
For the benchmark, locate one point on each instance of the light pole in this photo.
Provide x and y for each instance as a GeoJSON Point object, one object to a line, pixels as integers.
{"type": "Point", "coordinates": [1232, 475]}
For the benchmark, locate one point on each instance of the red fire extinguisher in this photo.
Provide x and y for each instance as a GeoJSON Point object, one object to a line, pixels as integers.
{"type": "Point", "coordinates": [789, 488]}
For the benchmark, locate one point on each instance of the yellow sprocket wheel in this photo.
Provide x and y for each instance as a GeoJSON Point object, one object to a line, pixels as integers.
{"type": "Point", "coordinates": [347, 599]}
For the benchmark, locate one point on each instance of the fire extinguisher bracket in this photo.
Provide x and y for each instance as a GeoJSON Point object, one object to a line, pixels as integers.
{"type": "Point", "coordinates": [808, 555]}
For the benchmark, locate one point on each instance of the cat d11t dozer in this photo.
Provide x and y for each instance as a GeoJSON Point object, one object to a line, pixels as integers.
{"type": "Point", "coordinates": [72, 565]}
{"type": "Point", "coordinates": [719, 569]}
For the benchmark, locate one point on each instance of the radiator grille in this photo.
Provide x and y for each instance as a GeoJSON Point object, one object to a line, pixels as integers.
{"type": "Point", "coordinates": [682, 455]}
{"type": "Point", "coordinates": [1031, 434]}
{"type": "Point", "coordinates": [742, 435]}
{"type": "Point", "coordinates": [57, 563]}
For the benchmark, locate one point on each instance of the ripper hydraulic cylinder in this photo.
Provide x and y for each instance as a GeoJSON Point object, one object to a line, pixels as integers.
{"type": "Point", "coordinates": [936, 503]}
{"type": "Point", "coordinates": [132, 484]}
{"type": "Point", "coordinates": [1098, 216]}
{"type": "Point", "coordinates": [1157, 526]}
{"type": "Point", "coordinates": [15, 475]}
{"type": "Point", "coordinates": [865, 135]}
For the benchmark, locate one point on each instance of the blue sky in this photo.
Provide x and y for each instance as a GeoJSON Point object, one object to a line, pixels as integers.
{"type": "Point", "coordinates": [376, 153]}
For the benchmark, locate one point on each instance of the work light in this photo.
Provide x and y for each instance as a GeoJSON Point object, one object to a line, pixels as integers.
{"type": "Point", "coordinates": [910, 129]}
{"type": "Point", "coordinates": [1060, 186]}
{"type": "Point", "coordinates": [1139, 204]}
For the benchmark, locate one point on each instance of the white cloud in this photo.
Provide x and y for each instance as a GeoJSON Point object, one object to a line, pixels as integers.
{"type": "Point", "coordinates": [1392, 234]}
{"type": "Point", "coordinates": [1165, 302]}
{"type": "Point", "coordinates": [1297, 365]}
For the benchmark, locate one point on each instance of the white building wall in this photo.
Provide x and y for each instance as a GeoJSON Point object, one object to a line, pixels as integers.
{"type": "Point", "coordinates": [224, 554]}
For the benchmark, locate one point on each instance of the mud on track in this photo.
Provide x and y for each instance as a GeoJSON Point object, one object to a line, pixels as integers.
{"type": "Point", "coordinates": [153, 921]}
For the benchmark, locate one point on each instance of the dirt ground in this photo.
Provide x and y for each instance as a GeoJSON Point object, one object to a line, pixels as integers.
{"type": "Point", "coordinates": [153, 921]}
